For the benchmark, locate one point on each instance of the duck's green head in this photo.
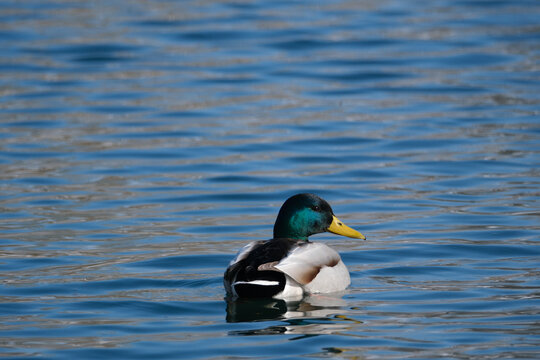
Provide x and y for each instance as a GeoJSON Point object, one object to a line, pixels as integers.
{"type": "Point", "coordinates": [303, 215]}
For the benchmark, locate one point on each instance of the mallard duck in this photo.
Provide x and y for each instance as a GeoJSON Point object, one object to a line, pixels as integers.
{"type": "Point", "coordinates": [289, 265]}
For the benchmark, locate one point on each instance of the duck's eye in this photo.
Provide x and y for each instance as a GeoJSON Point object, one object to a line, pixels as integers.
{"type": "Point", "coordinates": [315, 208]}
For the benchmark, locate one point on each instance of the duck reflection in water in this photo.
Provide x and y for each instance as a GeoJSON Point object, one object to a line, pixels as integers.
{"type": "Point", "coordinates": [260, 309]}
{"type": "Point", "coordinates": [313, 315]}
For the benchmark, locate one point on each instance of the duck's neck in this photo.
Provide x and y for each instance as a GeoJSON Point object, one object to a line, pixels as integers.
{"type": "Point", "coordinates": [292, 226]}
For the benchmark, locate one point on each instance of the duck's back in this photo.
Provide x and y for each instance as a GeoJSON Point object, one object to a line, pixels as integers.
{"type": "Point", "coordinates": [252, 272]}
{"type": "Point", "coordinates": [285, 268]}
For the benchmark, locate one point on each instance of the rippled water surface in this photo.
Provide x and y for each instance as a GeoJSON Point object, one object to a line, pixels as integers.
{"type": "Point", "coordinates": [142, 143]}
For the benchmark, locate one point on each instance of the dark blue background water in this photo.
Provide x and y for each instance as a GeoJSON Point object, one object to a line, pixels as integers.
{"type": "Point", "coordinates": [143, 143]}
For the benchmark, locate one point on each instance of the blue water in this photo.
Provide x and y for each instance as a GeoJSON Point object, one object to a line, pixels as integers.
{"type": "Point", "coordinates": [143, 143]}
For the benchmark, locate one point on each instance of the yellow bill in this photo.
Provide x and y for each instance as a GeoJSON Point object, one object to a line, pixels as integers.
{"type": "Point", "coordinates": [338, 227]}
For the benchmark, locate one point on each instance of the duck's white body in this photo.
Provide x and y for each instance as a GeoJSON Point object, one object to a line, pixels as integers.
{"type": "Point", "coordinates": [307, 268]}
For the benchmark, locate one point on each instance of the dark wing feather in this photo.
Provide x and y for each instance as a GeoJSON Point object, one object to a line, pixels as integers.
{"type": "Point", "coordinates": [258, 264]}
